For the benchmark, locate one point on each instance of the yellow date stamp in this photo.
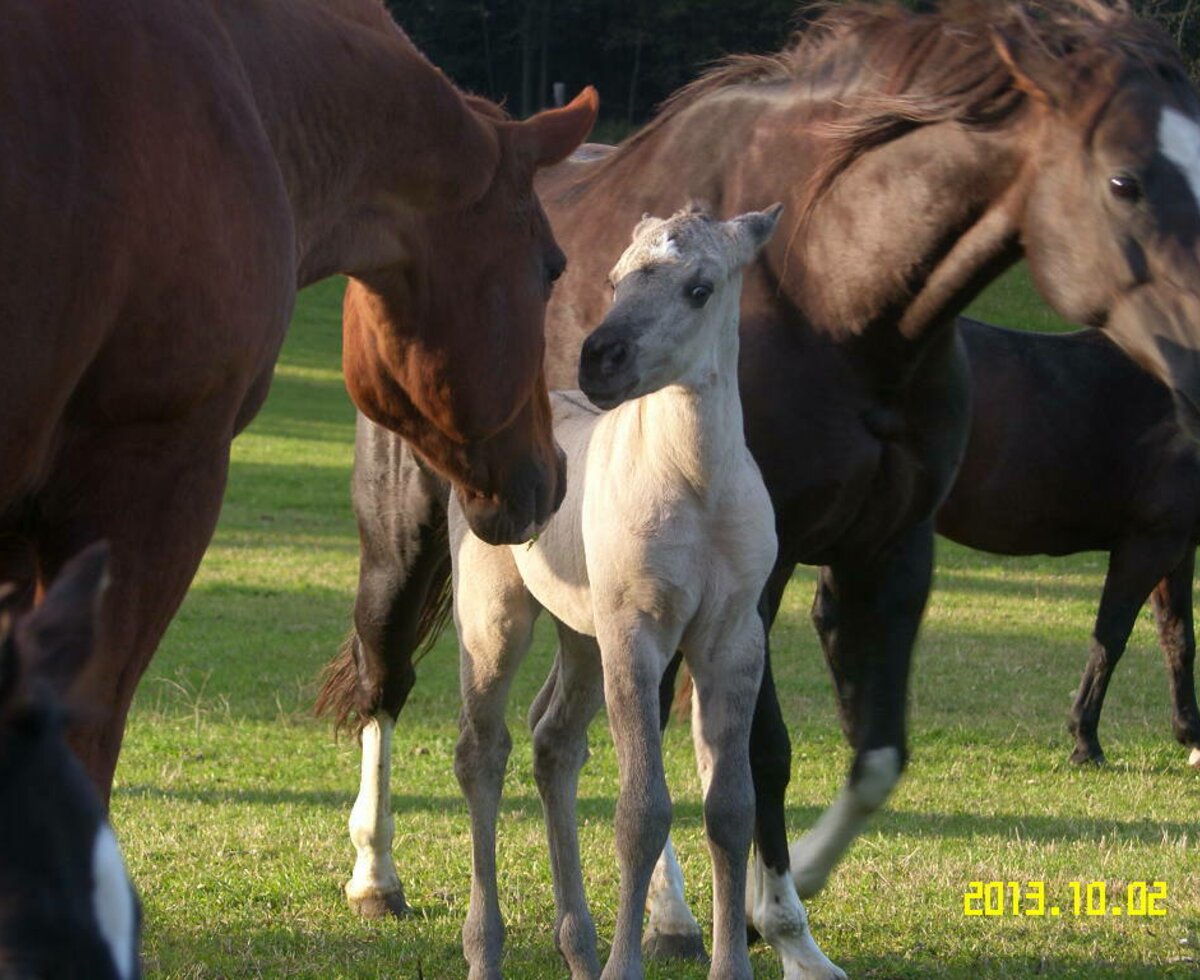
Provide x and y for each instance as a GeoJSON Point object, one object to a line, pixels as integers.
{"type": "Point", "coordinates": [1072, 898]}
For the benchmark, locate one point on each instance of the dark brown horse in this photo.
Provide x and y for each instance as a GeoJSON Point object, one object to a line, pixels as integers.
{"type": "Point", "coordinates": [919, 154]}
{"type": "Point", "coordinates": [171, 173]}
{"type": "Point", "coordinates": [1073, 448]}
{"type": "Point", "coordinates": [67, 908]}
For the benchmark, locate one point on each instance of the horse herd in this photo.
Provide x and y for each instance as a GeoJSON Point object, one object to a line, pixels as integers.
{"type": "Point", "coordinates": [174, 172]}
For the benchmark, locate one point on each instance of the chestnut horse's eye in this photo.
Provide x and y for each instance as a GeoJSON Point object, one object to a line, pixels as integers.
{"type": "Point", "coordinates": [556, 265]}
{"type": "Point", "coordinates": [1125, 187]}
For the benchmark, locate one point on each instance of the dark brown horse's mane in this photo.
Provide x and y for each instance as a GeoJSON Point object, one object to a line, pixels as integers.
{"type": "Point", "coordinates": [882, 70]}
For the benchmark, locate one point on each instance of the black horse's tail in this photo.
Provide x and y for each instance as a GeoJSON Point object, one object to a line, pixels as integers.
{"type": "Point", "coordinates": [343, 696]}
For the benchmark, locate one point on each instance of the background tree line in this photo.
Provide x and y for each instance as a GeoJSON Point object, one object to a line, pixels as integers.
{"type": "Point", "coordinates": [636, 52]}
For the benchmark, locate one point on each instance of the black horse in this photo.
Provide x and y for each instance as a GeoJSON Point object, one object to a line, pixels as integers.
{"type": "Point", "coordinates": [1074, 448]}
{"type": "Point", "coordinates": [919, 154]}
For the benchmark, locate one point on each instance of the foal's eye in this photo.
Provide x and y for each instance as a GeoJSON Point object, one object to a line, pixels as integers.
{"type": "Point", "coordinates": [1125, 187]}
{"type": "Point", "coordinates": [698, 293]}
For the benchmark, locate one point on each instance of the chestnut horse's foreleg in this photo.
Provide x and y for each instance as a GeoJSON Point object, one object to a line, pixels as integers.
{"type": "Point", "coordinates": [560, 723]}
{"type": "Point", "coordinates": [158, 519]}
{"type": "Point", "coordinates": [1172, 601]}
{"type": "Point", "coordinates": [870, 652]}
{"type": "Point", "coordinates": [1134, 566]}
{"type": "Point", "coordinates": [494, 615]}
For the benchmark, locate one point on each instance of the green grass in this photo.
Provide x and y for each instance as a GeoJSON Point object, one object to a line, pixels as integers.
{"type": "Point", "coordinates": [232, 801]}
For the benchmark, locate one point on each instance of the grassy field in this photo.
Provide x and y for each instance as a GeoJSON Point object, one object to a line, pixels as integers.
{"type": "Point", "coordinates": [231, 800]}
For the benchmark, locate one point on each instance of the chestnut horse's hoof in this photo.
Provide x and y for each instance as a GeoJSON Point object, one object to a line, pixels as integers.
{"type": "Point", "coordinates": [379, 904]}
{"type": "Point", "coordinates": [674, 946]}
{"type": "Point", "coordinates": [1194, 758]}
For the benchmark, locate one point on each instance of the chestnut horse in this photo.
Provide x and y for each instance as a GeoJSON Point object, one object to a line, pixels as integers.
{"type": "Point", "coordinates": [918, 155]}
{"type": "Point", "coordinates": [1074, 448]}
{"type": "Point", "coordinates": [172, 172]}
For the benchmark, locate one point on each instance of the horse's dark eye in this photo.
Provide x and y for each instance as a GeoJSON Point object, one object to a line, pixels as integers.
{"type": "Point", "coordinates": [556, 265]}
{"type": "Point", "coordinates": [698, 293]}
{"type": "Point", "coordinates": [1125, 187]}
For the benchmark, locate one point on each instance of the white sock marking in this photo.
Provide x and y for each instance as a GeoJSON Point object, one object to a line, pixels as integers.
{"type": "Point", "coordinates": [1179, 141]}
{"type": "Point", "coordinates": [112, 901]}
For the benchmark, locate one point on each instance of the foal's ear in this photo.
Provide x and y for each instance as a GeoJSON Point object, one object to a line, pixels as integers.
{"type": "Point", "coordinates": [754, 229]}
{"type": "Point", "coordinates": [1032, 67]}
{"type": "Point", "coordinates": [56, 639]}
{"type": "Point", "coordinates": [553, 135]}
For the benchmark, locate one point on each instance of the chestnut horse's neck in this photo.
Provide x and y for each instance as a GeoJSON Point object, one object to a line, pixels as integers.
{"type": "Point", "coordinates": [363, 127]}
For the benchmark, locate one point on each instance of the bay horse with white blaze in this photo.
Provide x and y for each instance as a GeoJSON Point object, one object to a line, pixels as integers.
{"type": "Point", "coordinates": [918, 154]}
{"type": "Point", "coordinates": [663, 543]}
{"type": "Point", "coordinates": [172, 173]}
{"type": "Point", "coordinates": [1074, 448]}
{"type": "Point", "coordinates": [67, 908]}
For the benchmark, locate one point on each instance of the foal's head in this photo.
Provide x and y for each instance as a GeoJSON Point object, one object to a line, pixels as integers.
{"type": "Point", "coordinates": [676, 291]}
{"type": "Point", "coordinates": [445, 347]}
{"type": "Point", "coordinates": [67, 908]}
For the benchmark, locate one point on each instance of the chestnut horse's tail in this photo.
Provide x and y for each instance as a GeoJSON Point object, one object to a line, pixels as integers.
{"type": "Point", "coordinates": [343, 696]}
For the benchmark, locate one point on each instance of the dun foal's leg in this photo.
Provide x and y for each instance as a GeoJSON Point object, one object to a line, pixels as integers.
{"type": "Point", "coordinates": [726, 673]}
{"type": "Point", "coordinates": [634, 661]}
{"type": "Point", "coordinates": [1172, 600]}
{"type": "Point", "coordinates": [869, 648]}
{"type": "Point", "coordinates": [494, 615]}
{"type": "Point", "coordinates": [559, 720]}
{"type": "Point", "coordinates": [1134, 566]}
{"type": "Point", "coordinates": [402, 526]}
{"type": "Point", "coordinates": [672, 932]}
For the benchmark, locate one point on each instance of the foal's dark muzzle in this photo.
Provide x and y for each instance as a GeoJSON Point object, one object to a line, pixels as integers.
{"type": "Point", "coordinates": [606, 367]}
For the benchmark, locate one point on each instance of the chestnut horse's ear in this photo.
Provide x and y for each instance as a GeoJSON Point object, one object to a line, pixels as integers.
{"type": "Point", "coordinates": [56, 639]}
{"type": "Point", "coordinates": [1031, 66]}
{"type": "Point", "coordinates": [552, 135]}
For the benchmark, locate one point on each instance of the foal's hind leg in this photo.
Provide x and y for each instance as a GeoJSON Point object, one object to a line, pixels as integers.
{"type": "Point", "coordinates": [494, 615]}
{"type": "Point", "coordinates": [672, 932]}
{"type": "Point", "coordinates": [1172, 600]}
{"type": "Point", "coordinates": [870, 651]}
{"type": "Point", "coordinates": [560, 723]}
{"type": "Point", "coordinates": [1134, 566]}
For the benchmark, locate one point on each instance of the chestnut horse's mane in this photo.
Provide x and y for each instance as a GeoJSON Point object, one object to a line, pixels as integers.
{"type": "Point", "coordinates": [889, 70]}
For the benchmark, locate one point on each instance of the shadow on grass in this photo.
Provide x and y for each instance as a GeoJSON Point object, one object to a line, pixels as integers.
{"type": "Point", "coordinates": [890, 823]}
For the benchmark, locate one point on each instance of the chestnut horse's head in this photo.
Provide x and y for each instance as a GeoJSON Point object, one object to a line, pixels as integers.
{"type": "Point", "coordinates": [1111, 225]}
{"type": "Point", "coordinates": [445, 347]}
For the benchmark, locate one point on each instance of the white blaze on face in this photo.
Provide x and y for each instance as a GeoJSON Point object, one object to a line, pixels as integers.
{"type": "Point", "coordinates": [663, 249]}
{"type": "Point", "coordinates": [112, 901]}
{"type": "Point", "coordinates": [1179, 141]}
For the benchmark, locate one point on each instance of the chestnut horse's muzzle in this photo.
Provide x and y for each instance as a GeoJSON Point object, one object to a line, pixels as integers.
{"type": "Point", "coordinates": [522, 505]}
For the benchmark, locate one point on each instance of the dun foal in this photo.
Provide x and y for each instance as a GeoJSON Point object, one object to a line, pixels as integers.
{"type": "Point", "coordinates": [664, 542]}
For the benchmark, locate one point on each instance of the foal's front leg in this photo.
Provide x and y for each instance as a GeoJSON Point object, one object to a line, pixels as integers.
{"type": "Point", "coordinates": [494, 616]}
{"type": "Point", "coordinates": [559, 719]}
{"type": "Point", "coordinates": [726, 671]}
{"type": "Point", "coordinates": [634, 659]}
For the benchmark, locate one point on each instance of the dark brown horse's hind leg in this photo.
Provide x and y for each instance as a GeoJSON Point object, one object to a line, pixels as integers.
{"type": "Point", "coordinates": [403, 572]}
{"type": "Point", "coordinates": [844, 672]}
{"type": "Point", "coordinates": [158, 521]}
{"type": "Point", "coordinates": [869, 648]}
{"type": "Point", "coordinates": [1172, 601]}
{"type": "Point", "coordinates": [1134, 566]}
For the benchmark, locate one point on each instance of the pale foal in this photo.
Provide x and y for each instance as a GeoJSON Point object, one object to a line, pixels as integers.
{"type": "Point", "coordinates": [664, 542]}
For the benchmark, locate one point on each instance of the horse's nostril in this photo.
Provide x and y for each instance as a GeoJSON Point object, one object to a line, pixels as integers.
{"type": "Point", "coordinates": [614, 357]}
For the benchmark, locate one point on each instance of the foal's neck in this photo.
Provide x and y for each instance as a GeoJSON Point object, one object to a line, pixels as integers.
{"type": "Point", "coordinates": [358, 121]}
{"type": "Point", "coordinates": [694, 425]}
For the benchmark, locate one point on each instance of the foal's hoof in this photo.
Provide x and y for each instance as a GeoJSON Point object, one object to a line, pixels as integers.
{"type": "Point", "coordinates": [1194, 758]}
{"type": "Point", "coordinates": [379, 905]}
{"type": "Point", "coordinates": [674, 946]}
